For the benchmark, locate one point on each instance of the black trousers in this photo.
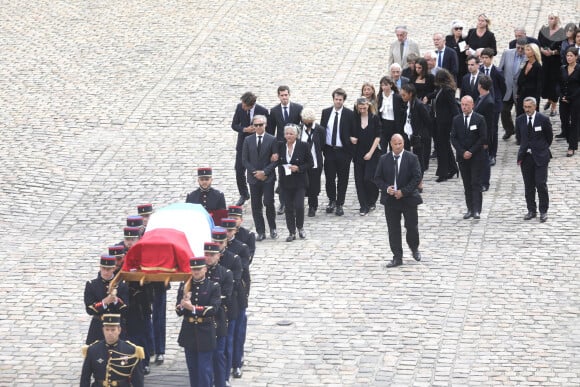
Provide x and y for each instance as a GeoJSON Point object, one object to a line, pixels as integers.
{"type": "Point", "coordinates": [241, 175]}
{"type": "Point", "coordinates": [535, 179]}
{"type": "Point", "coordinates": [569, 114]}
{"type": "Point", "coordinates": [471, 175]}
{"type": "Point", "coordinates": [492, 134]}
{"type": "Point", "coordinates": [294, 208]}
{"type": "Point", "coordinates": [446, 164]}
{"type": "Point", "coordinates": [506, 116]}
{"type": "Point", "coordinates": [313, 189]}
{"type": "Point", "coordinates": [387, 131]}
{"type": "Point", "coordinates": [263, 192]}
{"type": "Point", "coordinates": [393, 212]}
{"type": "Point", "coordinates": [336, 171]}
{"type": "Point", "coordinates": [366, 189]}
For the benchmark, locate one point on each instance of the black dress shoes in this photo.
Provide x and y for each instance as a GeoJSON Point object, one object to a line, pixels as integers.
{"type": "Point", "coordinates": [394, 263]}
{"type": "Point", "coordinates": [159, 359]}
{"type": "Point", "coordinates": [242, 200]}
{"type": "Point", "coordinates": [417, 255]}
{"type": "Point", "coordinates": [529, 215]}
{"type": "Point", "coordinates": [273, 234]}
{"type": "Point", "coordinates": [301, 233]}
{"type": "Point", "coordinates": [330, 208]}
{"type": "Point", "coordinates": [507, 135]}
{"type": "Point", "coordinates": [560, 136]}
{"type": "Point", "coordinates": [146, 370]}
{"type": "Point", "coordinates": [441, 179]}
{"type": "Point", "coordinates": [260, 237]}
{"type": "Point", "coordinates": [237, 373]}
{"type": "Point", "coordinates": [543, 216]}
{"type": "Point", "coordinates": [467, 215]}
{"type": "Point", "coordinates": [484, 188]}
{"type": "Point", "coordinates": [339, 211]}
{"type": "Point", "coordinates": [281, 210]}
{"type": "Point", "coordinates": [492, 161]}
{"type": "Point", "coordinates": [476, 215]}
{"type": "Point", "coordinates": [311, 212]}
{"type": "Point", "coordinates": [291, 237]}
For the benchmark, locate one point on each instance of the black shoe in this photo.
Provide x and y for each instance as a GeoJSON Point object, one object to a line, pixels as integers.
{"type": "Point", "coordinates": [372, 207]}
{"type": "Point", "coordinates": [291, 237]}
{"type": "Point", "coordinates": [273, 234]}
{"type": "Point", "coordinates": [476, 215]}
{"type": "Point", "coordinates": [339, 211]}
{"type": "Point", "coordinates": [242, 200]}
{"type": "Point", "coordinates": [363, 212]}
{"type": "Point", "coordinates": [529, 215]}
{"type": "Point", "coordinates": [547, 105]}
{"type": "Point", "coordinates": [311, 212]}
{"type": "Point", "coordinates": [518, 142]}
{"type": "Point", "coordinates": [467, 215]}
{"type": "Point", "coordinates": [301, 233]}
{"type": "Point", "coordinates": [146, 370]}
{"type": "Point", "coordinates": [543, 216]}
{"type": "Point", "coordinates": [159, 359]}
{"type": "Point", "coordinates": [433, 155]}
{"type": "Point", "coordinates": [560, 136]}
{"type": "Point", "coordinates": [417, 255]}
{"type": "Point", "coordinates": [507, 136]}
{"type": "Point", "coordinates": [281, 210]}
{"type": "Point", "coordinates": [237, 373]}
{"type": "Point", "coordinates": [484, 188]}
{"type": "Point", "coordinates": [552, 113]}
{"type": "Point", "coordinates": [570, 152]}
{"type": "Point", "coordinates": [331, 206]}
{"type": "Point", "coordinates": [260, 237]}
{"type": "Point", "coordinates": [441, 179]}
{"type": "Point", "coordinates": [394, 263]}
{"type": "Point", "coordinates": [492, 161]}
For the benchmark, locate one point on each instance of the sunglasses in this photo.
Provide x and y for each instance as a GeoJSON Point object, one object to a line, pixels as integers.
{"type": "Point", "coordinates": [458, 28]}
{"type": "Point", "coordinates": [258, 124]}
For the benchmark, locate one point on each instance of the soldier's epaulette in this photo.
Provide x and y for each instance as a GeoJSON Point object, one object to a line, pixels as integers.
{"type": "Point", "coordinates": [85, 348]}
{"type": "Point", "coordinates": [139, 351]}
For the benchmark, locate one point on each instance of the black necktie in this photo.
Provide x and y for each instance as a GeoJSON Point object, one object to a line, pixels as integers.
{"type": "Point", "coordinates": [285, 113]}
{"type": "Point", "coordinates": [249, 117]}
{"type": "Point", "coordinates": [309, 133]}
{"type": "Point", "coordinates": [466, 125]}
{"type": "Point", "coordinates": [396, 170]}
{"type": "Point", "coordinates": [259, 143]}
{"type": "Point", "coordinates": [487, 72]}
{"type": "Point", "coordinates": [472, 81]}
{"type": "Point", "coordinates": [439, 60]}
{"type": "Point", "coordinates": [402, 46]}
{"type": "Point", "coordinates": [530, 127]}
{"type": "Point", "coordinates": [335, 129]}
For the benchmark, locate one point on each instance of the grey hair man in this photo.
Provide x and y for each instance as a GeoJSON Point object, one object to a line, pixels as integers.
{"type": "Point", "coordinates": [401, 47]}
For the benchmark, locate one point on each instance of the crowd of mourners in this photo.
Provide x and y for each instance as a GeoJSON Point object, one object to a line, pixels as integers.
{"type": "Point", "coordinates": [445, 105]}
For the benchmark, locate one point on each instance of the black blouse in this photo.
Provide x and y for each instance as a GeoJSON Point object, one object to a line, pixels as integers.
{"type": "Point", "coordinates": [486, 41]}
{"type": "Point", "coordinates": [570, 84]}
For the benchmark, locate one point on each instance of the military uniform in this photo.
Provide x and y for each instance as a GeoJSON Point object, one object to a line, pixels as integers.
{"type": "Point", "coordinates": [211, 199]}
{"type": "Point", "coordinates": [139, 325]}
{"type": "Point", "coordinates": [112, 364]}
{"type": "Point", "coordinates": [95, 291]}
{"type": "Point", "coordinates": [198, 328]}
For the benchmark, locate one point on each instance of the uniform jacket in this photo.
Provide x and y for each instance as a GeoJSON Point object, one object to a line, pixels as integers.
{"type": "Point", "coordinates": [225, 279]}
{"type": "Point", "coordinates": [211, 200]}
{"type": "Point", "coordinates": [103, 359]}
{"type": "Point", "coordinates": [198, 329]}
{"type": "Point", "coordinates": [231, 261]}
{"type": "Point", "coordinates": [249, 238]}
{"type": "Point", "coordinates": [241, 250]}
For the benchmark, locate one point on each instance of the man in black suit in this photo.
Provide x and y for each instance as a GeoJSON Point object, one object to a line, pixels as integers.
{"type": "Point", "coordinates": [257, 153]}
{"type": "Point", "coordinates": [468, 135]}
{"type": "Point", "coordinates": [315, 136]}
{"type": "Point", "coordinates": [497, 92]}
{"type": "Point", "coordinates": [469, 80]}
{"type": "Point", "coordinates": [285, 112]}
{"type": "Point", "coordinates": [446, 56]}
{"type": "Point", "coordinates": [338, 121]}
{"type": "Point", "coordinates": [485, 106]}
{"type": "Point", "coordinates": [242, 123]}
{"type": "Point", "coordinates": [398, 175]}
{"type": "Point", "coordinates": [535, 131]}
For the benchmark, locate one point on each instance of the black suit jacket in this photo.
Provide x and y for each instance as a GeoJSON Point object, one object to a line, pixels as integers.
{"type": "Point", "coordinates": [318, 141]}
{"type": "Point", "coordinates": [408, 180]}
{"type": "Point", "coordinates": [259, 162]}
{"type": "Point", "coordinates": [450, 61]}
{"type": "Point", "coordinates": [466, 88]}
{"type": "Point", "coordinates": [530, 84]}
{"type": "Point", "coordinates": [471, 139]}
{"type": "Point", "coordinates": [276, 121]}
{"type": "Point", "coordinates": [302, 157]}
{"type": "Point", "coordinates": [240, 121]}
{"type": "Point", "coordinates": [445, 108]}
{"type": "Point", "coordinates": [499, 88]}
{"type": "Point", "coordinates": [346, 125]}
{"type": "Point", "coordinates": [538, 141]}
{"type": "Point", "coordinates": [486, 106]}
{"type": "Point", "coordinates": [420, 118]}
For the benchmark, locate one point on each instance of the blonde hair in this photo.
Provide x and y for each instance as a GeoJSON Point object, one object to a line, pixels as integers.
{"type": "Point", "coordinates": [536, 51]}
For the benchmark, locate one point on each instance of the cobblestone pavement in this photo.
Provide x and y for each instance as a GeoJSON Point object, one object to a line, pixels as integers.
{"type": "Point", "coordinates": [106, 105]}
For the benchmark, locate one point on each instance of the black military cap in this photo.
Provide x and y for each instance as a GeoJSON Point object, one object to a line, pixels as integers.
{"type": "Point", "coordinates": [134, 221]}
{"type": "Point", "coordinates": [197, 262]}
{"type": "Point", "coordinates": [112, 319]}
{"type": "Point", "coordinates": [145, 209]}
{"type": "Point", "coordinates": [204, 172]}
{"type": "Point", "coordinates": [235, 211]}
{"type": "Point", "coordinates": [229, 223]}
{"type": "Point", "coordinates": [211, 247]}
{"type": "Point", "coordinates": [131, 232]}
{"type": "Point", "coordinates": [117, 251]}
{"type": "Point", "coordinates": [219, 234]}
{"type": "Point", "coordinates": [108, 260]}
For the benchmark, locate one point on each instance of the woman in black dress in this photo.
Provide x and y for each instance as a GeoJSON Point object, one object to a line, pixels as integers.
{"type": "Point", "coordinates": [366, 137]}
{"type": "Point", "coordinates": [570, 99]}
{"type": "Point", "coordinates": [481, 37]}
{"type": "Point", "coordinates": [424, 81]}
{"type": "Point", "coordinates": [456, 41]}
{"type": "Point", "coordinates": [530, 78]}
{"type": "Point", "coordinates": [551, 37]}
{"type": "Point", "coordinates": [444, 109]}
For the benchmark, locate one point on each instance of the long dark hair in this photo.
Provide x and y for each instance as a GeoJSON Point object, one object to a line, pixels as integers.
{"type": "Point", "coordinates": [443, 78]}
{"type": "Point", "coordinates": [424, 69]}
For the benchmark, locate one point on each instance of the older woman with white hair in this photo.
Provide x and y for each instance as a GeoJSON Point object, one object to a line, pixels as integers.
{"type": "Point", "coordinates": [456, 41]}
{"type": "Point", "coordinates": [294, 160]}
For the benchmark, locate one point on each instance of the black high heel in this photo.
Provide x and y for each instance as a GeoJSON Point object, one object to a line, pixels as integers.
{"type": "Point", "coordinates": [456, 174]}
